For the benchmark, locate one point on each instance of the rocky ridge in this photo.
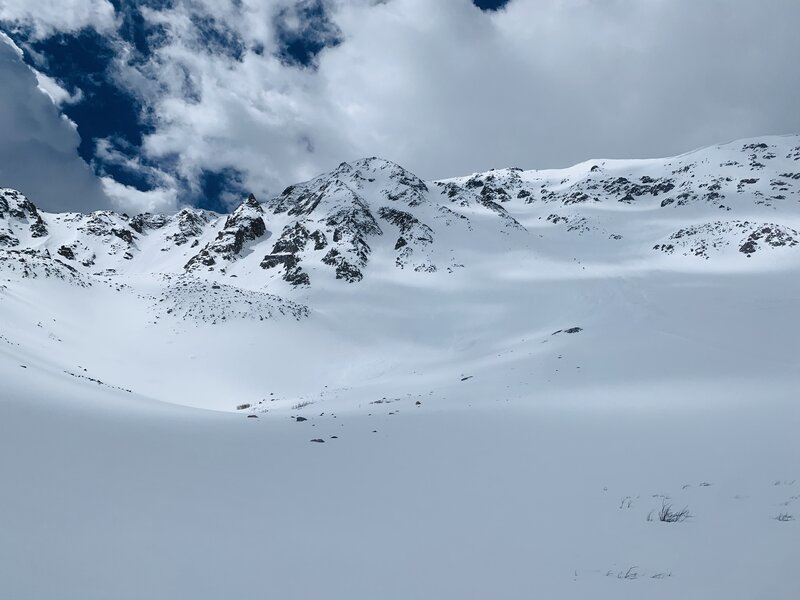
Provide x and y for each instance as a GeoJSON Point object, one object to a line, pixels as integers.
{"type": "Point", "coordinates": [742, 196]}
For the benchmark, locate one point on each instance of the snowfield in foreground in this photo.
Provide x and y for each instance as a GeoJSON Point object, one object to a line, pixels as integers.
{"type": "Point", "coordinates": [372, 386]}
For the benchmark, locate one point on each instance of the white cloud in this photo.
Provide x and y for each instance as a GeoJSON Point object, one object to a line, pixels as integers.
{"type": "Point", "coordinates": [44, 17]}
{"type": "Point", "coordinates": [10, 43]}
{"type": "Point", "coordinates": [553, 82]}
{"type": "Point", "coordinates": [446, 89]}
{"type": "Point", "coordinates": [213, 112]}
{"type": "Point", "coordinates": [57, 94]}
{"type": "Point", "coordinates": [38, 146]}
{"type": "Point", "coordinates": [127, 199]}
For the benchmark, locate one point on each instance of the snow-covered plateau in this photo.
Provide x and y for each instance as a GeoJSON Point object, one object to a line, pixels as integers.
{"type": "Point", "coordinates": [501, 386]}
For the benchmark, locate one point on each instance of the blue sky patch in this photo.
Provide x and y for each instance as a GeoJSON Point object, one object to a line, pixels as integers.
{"type": "Point", "coordinates": [299, 45]}
{"type": "Point", "coordinates": [220, 190]}
{"type": "Point", "coordinates": [490, 4]}
{"type": "Point", "coordinates": [82, 61]}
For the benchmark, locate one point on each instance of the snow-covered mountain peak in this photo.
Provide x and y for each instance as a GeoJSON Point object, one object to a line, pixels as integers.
{"type": "Point", "coordinates": [245, 224]}
{"type": "Point", "coordinates": [250, 203]}
{"type": "Point", "coordinates": [20, 220]}
{"type": "Point", "coordinates": [733, 201]}
{"type": "Point", "coordinates": [14, 204]}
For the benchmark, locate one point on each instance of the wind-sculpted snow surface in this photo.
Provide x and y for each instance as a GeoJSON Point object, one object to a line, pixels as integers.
{"type": "Point", "coordinates": [505, 385]}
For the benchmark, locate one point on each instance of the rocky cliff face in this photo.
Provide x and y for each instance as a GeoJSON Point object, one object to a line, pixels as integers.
{"type": "Point", "coordinates": [245, 224]}
{"type": "Point", "coordinates": [19, 219]}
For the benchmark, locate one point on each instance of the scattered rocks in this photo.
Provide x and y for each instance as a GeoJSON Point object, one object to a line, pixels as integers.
{"type": "Point", "coordinates": [748, 237]}
{"type": "Point", "coordinates": [67, 252]}
{"type": "Point", "coordinates": [187, 297]}
{"type": "Point", "coordinates": [570, 330]}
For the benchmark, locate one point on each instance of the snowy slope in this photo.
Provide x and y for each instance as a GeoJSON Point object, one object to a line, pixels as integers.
{"type": "Point", "coordinates": [509, 372]}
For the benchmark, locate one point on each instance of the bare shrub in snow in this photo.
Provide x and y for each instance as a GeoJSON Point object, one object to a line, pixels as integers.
{"type": "Point", "coordinates": [667, 515]}
{"type": "Point", "coordinates": [302, 404]}
{"type": "Point", "coordinates": [631, 573]}
{"type": "Point", "coordinates": [661, 575]}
